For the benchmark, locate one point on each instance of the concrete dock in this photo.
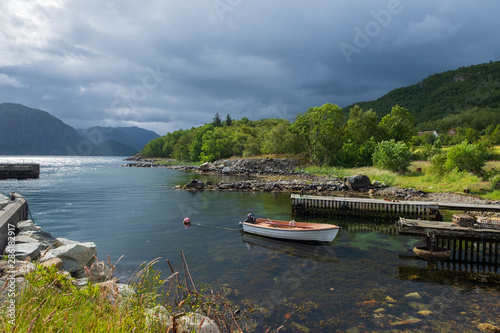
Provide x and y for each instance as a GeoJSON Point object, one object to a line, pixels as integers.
{"type": "Point", "coordinates": [19, 170]}
{"type": "Point", "coordinates": [15, 211]}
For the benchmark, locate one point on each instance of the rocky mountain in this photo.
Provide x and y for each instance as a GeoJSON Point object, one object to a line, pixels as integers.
{"type": "Point", "coordinates": [29, 131]}
{"type": "Point", "coordinates": [117, 141]}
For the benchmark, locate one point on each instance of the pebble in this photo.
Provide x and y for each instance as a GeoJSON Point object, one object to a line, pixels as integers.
{"type": "Point", "coordinates": [425, 312]}
{"type": "Point", "coordinates": [389, 299]}
{"type": "Point", "coordinates": [413, 296]}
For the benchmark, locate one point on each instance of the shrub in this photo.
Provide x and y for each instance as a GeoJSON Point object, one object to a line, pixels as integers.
{"type": "Point", "coordinates": [438, 163]}
{"type": "Point", "coordinates": [466, 157]}
{"type": "Point", "coordinates": [392, 155]}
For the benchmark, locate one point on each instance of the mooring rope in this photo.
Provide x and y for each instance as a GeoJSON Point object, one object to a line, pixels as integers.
{"type": "Point", "coordinates": [215, 227]}
{"type": "Point", "coordinates": [29, 213]}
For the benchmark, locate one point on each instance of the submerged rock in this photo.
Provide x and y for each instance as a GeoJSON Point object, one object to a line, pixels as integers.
{"type": "Point", "coordinates": [488, 328]}
{"type": "Point", "coordinates": [414, 295]}
{"type": "Point", "coordinates": [406, 322]}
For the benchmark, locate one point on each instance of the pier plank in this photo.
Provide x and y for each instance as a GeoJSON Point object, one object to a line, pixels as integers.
{"type": "Point", "coordinates": [374, 207]}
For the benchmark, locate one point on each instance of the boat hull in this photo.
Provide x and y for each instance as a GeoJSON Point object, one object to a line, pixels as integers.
{"type": "Point", "coordinates": [300, 232]}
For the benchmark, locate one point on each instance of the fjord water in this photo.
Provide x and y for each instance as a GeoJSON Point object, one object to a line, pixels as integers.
{"type": "Point", "coordinates": [357, 282]}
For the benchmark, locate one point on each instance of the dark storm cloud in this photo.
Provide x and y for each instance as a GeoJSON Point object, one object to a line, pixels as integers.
{"type": "Point", "coordinates": [165, 65]}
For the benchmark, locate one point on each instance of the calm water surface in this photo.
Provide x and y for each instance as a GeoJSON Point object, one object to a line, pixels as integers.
{"type": "Point", "coordinates": [360, 282]}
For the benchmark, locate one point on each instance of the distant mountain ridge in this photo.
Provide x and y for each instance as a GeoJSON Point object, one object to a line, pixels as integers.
{"type": "Point", "coordinates": [119, 141]}
{"type": "Point", "coordinates": [444, 95]}
{"type": "Point", "coordinates": [30, 131]}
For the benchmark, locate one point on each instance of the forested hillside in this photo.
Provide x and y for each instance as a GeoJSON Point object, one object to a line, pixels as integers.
{"type": "Point", "coordinates": [322, 135]}
{"type": "Point", "coordinates": [466, 97]}
{"type": "Point", "coordinates": [455, 106]}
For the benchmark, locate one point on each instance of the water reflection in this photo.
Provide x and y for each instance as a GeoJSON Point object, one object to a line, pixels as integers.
{"type": "Point", "coordinates": [309, 251]}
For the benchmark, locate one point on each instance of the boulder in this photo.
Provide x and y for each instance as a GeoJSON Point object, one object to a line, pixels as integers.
{"type": "Point", "coordinates": [109, 289]}
{"type": "Point", "coordinates": [158, 314]}
{"type": "Point", "coordinates": [125, 290]}
{"type": "Point", "coordinates": [205, 166]}
{"type": "Point", "coordinates": [195, 322]}
{"type": "Point", "coordinates": [46, 239]}
{"type": "Point", "coordinates": [74, 256]}
{"type": "Point", "coordinates": [80, 283]}
{"type": "Point", "coordinates": [99, 272]}
{"type": "Point", "coordinates": [63, 241]}
{"type": "Point", "coordinates": [7, 283]}
{"type": "Point", "coordinates": [52, 262]}
{"type": "Point", "coordinates": [195, 184]}
{"type": "Point", "coordinates": [19, 269]}
{"type": "Point", "coordinates": [27, 225]}
{"type": "Point", "coordinates": [28, 250]}
{"type": "Point", "coordinates": [357, 182]}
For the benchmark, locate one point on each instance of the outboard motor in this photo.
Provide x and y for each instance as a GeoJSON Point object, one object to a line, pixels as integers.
{"type": "Point", "coordinates": [250, 219]}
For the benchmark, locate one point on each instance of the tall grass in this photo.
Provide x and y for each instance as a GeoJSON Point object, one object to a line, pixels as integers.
{"type": "Point", "coordinates": [50, 302]}
{"type": "Point", "coordinates": [419, 176]}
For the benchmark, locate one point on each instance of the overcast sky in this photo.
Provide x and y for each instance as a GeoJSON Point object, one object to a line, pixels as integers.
{"type": "Point", "coordinates": [171, 64]}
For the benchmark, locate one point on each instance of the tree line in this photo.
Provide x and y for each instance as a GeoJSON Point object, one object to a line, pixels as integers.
{"type": "Point", "coordinates": [323, 135]}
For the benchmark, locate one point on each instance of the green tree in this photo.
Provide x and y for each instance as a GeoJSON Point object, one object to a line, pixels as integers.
{"type": "Point", "coordinates": [228, 121]}
{"type": "Point", "coordinates": [278, 140]}
{"type": "Point", "coordinates": [362, 125]}
{"type": "Point", "coordinates": [398, 125]}
{"type": "Point", "coordinates": [466, 157]}
{"type": "Point", "coordinates": [321, 129]}
{"type": "Point", "coordinates": [392, 155]}
{"type": "Point", "coordinates": [217, 122]}
{"type": "Point", "coordinates": [217, 144]}
{"type": "Point", "coordinates": [154, 147]}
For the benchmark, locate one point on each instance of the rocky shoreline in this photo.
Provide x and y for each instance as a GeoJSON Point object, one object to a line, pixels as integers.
{"type": "Point", "coordinates": [73, 259]}
{"type": "Point", "coordinates": [284, 175]}
{"type": "Point", "coordinates": [78, 262]}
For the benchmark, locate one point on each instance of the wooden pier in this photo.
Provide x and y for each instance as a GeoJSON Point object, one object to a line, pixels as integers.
{"type": "Point", "coordinates": [377, 208]}
{"type": "Point", "coordinates": [422, 228]}
{"type": "Point", "coordinates": [467, 245]}
{"type": "Point", "coordinates": [19, 171]}
{"type": "Point", "coordinates": [362, 207]}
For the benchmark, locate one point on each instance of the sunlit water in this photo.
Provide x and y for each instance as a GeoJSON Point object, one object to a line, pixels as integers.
{"type": "Point", "coordinates": [356, 283]}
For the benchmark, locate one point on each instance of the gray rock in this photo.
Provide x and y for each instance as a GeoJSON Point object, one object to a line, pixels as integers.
{"type": "Point", "coordinates": [27, 225]}
{"type": "Point", "coordinates": [205, 166]}
{"type": "Point", "coordinates": [195, 184]}
{"type": "Point", "coordinates": [19, 269]}
{"type": "Point", "coordinates": [25, 250]}
{"type": "Point", "coordinates": [45, 238]}
{"type": "Point", "coordinates": [191, 323]}
{"type": "Point", "coordinates": [158, 314]}
{"type": "Point", "coordinates": [100, 272]}
{"type": "Point", "coordinates": [80, 283]}
{"type": "Point", "coordinates": [125, 290]}
{"type": "Point", "coordinates": [63, 241]}
{"type": "Point", "coordinates": [357, 182]}
{"type": "Point", "coordinates": [74, 256]}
